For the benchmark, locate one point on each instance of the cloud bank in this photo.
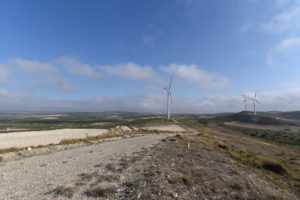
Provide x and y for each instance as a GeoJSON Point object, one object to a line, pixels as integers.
{"type": "Point", "coordinates": [59, 85]}
{"type": "Point", "coordinates": [197, 76]}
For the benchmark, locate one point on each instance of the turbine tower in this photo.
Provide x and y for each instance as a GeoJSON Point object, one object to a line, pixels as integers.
{"type": "Point", "coordinates": [254, 102]}
{"type": "Point", "coordinates": [245, 101]}
{"type": "Point", "coordinates": [169, 98]}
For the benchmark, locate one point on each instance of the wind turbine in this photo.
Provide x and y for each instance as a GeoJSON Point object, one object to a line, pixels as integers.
{"type": "Point", "coordinates": [169, 98]}
{"type": "Point", "coordinates": [254, 101]}
{"type": "Point", "coordinates": [245, 101]}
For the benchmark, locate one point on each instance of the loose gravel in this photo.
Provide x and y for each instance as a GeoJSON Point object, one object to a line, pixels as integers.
{"type": "Point", "coordinates": [34, 177]}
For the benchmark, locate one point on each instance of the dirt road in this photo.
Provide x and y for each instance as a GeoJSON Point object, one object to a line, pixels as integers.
{"type": "Point", "coordinates": [35, 177]}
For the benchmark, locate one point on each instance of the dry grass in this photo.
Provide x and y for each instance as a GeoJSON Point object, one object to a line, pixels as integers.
{"type": "Point", "coordinates": [100, 191]}
{"type": "Point", "coordinates": [90, 139]}
{"type": "Point", "coordinates": [222, 146]}
{"type": "Point", "coordinates": [74, 141]}
{"type": "Point", "coordinates": [286, 171]}
{"type": "Point", "coordinates": [111, 134]}
{"type": "Point", "coordinates": [188, 181]}
{"type": "Point", "coordinates": [111, 167]}
{"type": "Point", "coordinates": [63, 191]}
{"type": "Point", "coordinates": [259, 161]}
{"type": "Point", "coordinates": [9, 150]}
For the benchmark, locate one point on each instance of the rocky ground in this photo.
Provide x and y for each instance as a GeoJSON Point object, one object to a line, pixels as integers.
{"type": "Point", "coordinates": [178, 168]}
{"type": "Point", "coordinates": [58, 173]}
{"type": "Point", "coordinates": [147, 167]}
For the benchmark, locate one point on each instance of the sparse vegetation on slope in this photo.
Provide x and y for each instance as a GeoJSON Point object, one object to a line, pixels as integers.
{"type": "Point", "coordinates": [262, 118]}
{"type": "Point", "coordinates": [282, 161]}
{"type": "Point", "coordinates": [175, 171]}
{"type": "Point", "coordinates": [35, 122]}
{"type": "Point", "coordinates": [284, 137]}
{"type": "Point", "coordinates": [290, 115]}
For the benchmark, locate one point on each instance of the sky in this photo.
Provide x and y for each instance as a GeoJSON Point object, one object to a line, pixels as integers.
{"type": "Point", "coordinates": [118, 55]}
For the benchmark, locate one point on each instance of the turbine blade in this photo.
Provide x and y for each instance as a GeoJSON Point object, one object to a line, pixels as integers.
{"type": "Point", "coordinates": [258, 102]}
{"type": "Point", "coordinates": [170, 84]}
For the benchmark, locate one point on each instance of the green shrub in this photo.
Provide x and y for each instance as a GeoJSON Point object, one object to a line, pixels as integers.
{"type": "Point", "coordinates": [273, 166]}
{"type": "Point", "coordinates": [63, 191]}
{"type": "Point", "coordinates": [222, 146]}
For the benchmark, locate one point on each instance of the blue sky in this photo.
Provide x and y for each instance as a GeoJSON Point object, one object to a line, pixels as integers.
{"type": "Point", "coordinates": [64, 55]}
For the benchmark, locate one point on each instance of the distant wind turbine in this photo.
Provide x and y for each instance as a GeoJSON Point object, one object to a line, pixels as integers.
{"type": "Point", "coordinates": [169, 98]}
{"type": "Point", "coordinates": [245, 101]}
{"type": "Point", "coordinates": [254, 102]}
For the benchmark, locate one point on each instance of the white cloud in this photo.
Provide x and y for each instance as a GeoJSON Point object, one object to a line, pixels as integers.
{"type": "Point", "coordinates": [130, 71]}
{"type": "Point", "coordinates": [200, 77]}
{"type": "Point", "coordinates": [148, 40]}
{"type": "Point", "coordinates": [45, 74]}
{"type": "Point", "coordinates": [284, 99]}
{"type": "Point", "coordinates": [34, 68]}
{"type": "Point", "coordinates": [289, 44]}
{"type": "Point", "coordinates": [145, 103]}
{"type": "Point", "coordinates": [286, 21]}
{"type": "Point", "coordinates": [284, 49]}
{"type": "Point", "coordinates": [5, 94]}
{"type": "Point", "coordinates": [4, 73]}
{"type": "Point", "coordinates": [61, 75]}
{"type": "Point", "coordinates": [78, 68]}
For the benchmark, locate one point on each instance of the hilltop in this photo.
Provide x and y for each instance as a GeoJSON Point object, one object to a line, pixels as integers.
{"type": "Point", "coordinates": [155, 158]}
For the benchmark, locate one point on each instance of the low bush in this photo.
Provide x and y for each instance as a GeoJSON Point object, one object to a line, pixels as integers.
{"type": "Point", "coordinates": [222, 146]}
{"type": "Point", "coordinates": [273, 166]}
{"type": "Point", "coordinates": [8, 150]}
{"type": "Point", "coordinates": [63, 191]}
{"type": "Point", "coordinates": [100, 191]}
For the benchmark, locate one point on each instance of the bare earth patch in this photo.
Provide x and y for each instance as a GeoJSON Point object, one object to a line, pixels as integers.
{"type": "Point", "coordinates": [35, 138]}
{"type": "Point", "coordinates": [170, 128]}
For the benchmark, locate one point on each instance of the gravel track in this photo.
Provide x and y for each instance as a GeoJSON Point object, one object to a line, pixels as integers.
{"type": "Point", "coordinates": [34, 177]}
